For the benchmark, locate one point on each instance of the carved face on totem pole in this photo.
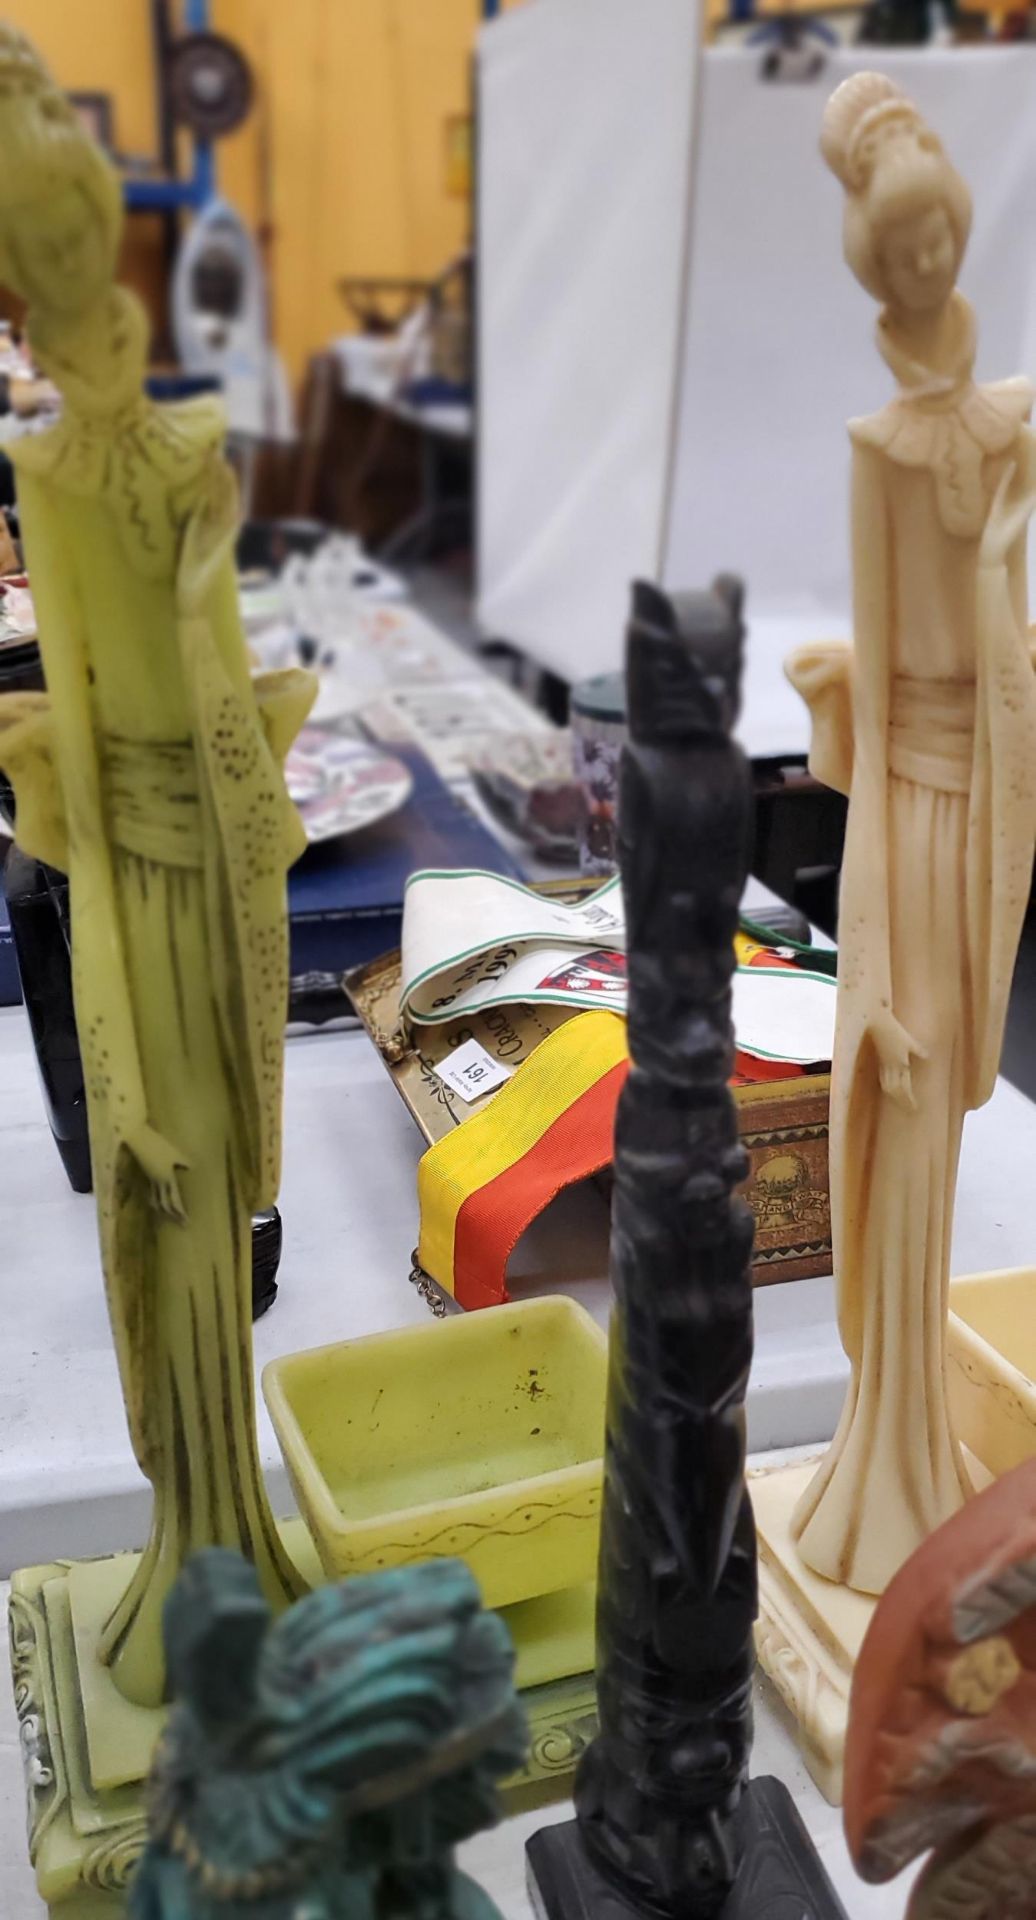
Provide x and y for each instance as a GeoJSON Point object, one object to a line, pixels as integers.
{"type": "Point", "coordinates": [677, 691]}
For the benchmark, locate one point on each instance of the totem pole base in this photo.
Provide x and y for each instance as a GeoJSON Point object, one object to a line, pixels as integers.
{"type": "Point", "coordinates": [87, 1751]}
{"type": "Point", "coordinates": [781, 1877]}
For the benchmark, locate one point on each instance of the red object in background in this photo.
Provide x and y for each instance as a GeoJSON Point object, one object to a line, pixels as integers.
{"type": "Point", "coordinates": [751, 1071]}
{"type": "Point", "coordinates": [941, 1749]}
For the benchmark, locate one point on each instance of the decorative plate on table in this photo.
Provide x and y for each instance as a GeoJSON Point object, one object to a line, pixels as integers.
{"type": "Point", "coordinates": [17, 616]}
{"type": "Point", "coordinates": [340, 784]}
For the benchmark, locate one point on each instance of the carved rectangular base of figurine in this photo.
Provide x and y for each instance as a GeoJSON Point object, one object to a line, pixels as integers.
{"type": "Point", "coordinates": [781, 1877]}
{"type": "Point", "coordinates": [809, 1630]}
{"type": "Point", "coordinates": [84, 1839]}
{"type": "Point", "coordinates": [86, 1751]}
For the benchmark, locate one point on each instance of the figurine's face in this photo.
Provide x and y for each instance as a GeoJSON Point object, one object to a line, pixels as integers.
{"type": "Point", "coordinates": [60, 253]}
{"type": "Point", "coordinates": [920, 258]}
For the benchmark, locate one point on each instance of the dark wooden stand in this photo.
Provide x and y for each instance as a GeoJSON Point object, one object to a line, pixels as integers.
{"type": "Point", "coordinates": [665, 1825]}
{"type": "Point", "coordinates": [780, 1876]}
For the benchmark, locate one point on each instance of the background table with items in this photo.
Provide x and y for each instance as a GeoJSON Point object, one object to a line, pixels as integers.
{"type": "Point", "coordinates": [68, 1482]}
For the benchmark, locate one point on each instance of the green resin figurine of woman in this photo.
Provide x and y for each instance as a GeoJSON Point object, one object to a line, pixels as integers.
{"type": "Point", "coordinates": [151, 773]}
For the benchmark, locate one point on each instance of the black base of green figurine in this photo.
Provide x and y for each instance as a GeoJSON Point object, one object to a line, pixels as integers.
{"type": "Point", "coordinates": [781, 1877]}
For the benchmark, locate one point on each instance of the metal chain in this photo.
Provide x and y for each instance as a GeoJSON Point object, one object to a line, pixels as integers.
{"type": "Point", "coordinates": [427, 1288]}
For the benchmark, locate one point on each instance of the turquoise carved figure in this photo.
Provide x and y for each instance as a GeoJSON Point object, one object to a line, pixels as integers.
{"type": "Point", "coordinates": [324, 1765]}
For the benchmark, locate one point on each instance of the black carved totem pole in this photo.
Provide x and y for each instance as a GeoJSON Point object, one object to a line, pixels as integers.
{"type": "Point", "coordinates": [667, 1822]}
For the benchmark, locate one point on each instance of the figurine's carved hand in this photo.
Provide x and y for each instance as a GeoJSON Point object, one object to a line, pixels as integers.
{"type": "Point", "coordinates": [1008, 518]}
{"type": "Point", "coordinates": [895, 1049]}
{"type": "Point", "coordinates": [161, 1164]}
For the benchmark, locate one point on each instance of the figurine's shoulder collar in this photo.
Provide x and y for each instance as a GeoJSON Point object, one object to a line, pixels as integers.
{"type": "Point", "coordinates": [952, 438]}
{"type": "Point", "coordinates": [165, 434]}
{"type": "Point", "coordinates": [147, 465]}
{"type": "Point", "coordinates": [915, 433]}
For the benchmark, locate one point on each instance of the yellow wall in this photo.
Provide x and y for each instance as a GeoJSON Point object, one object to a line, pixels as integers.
{"type": "Point", "coordinates": [105, 48]}
{"type": "Point", "coordinates": [354, 99]}
{"type": "Point", "coordinates": [348, 135]}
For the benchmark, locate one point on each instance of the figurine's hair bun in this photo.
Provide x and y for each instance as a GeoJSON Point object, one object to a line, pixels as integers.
{"type": "Point", "coordinates": [857, 96]}
{"type": "Point", "coordinates": [44, 147]}
{"type": "Point", "coordinates": [20, 67]}
{"type": "Point", "coordinates": [861, 115]}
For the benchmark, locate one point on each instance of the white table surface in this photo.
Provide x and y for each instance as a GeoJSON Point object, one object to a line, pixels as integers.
{"type": "Point", "coordinates": [68, 1482]}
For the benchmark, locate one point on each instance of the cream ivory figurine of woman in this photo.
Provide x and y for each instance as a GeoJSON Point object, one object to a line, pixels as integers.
{"type": "Point", "coordinates": [930, 726]}
{"type": "Point", "coordinates": [152, 773]}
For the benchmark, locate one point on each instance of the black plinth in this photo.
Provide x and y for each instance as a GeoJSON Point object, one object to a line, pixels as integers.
{"type": "Point", "coordinates": [780, 1878]}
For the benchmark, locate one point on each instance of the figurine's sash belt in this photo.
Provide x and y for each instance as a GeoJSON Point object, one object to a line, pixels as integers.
{"type": "Point", "coordinates": [151, 798]}
{"type": "Point", "coordinates": [932, 732]}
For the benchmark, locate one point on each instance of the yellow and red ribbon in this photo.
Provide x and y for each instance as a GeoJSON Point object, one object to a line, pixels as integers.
{"type": "Point", "coordinates": [548, 1127]}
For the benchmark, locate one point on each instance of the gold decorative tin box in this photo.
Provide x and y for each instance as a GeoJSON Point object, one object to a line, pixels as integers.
{"type": "Point", "coordinates": [784, 1123]}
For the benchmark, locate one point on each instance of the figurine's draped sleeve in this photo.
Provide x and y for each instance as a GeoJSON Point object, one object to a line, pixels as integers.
{"type": "Point", "coordinates": [870, 681]}
{"type": "Point", "coordinates": [848, 694]}
{"type": "Point", "coordinates": [27, 758]}
{"type": "Point", "coordinates": [253, 833]}
{"type": "Point", "coordinates": [1001, 818]}
{"type": "Point", "coordinates": [284, 698]}
{"type": "Point", "coordinates": [822, 673]}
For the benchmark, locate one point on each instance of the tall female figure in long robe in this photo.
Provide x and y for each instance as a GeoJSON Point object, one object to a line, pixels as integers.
{"type": "Point", "coordinates": [930, 726]}
{"type": "Point", "coordinates": [151, 772]}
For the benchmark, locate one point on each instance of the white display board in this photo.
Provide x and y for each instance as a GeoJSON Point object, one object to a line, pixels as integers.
{"type": "Point", "coordinates": [775, 338]}
{"type": "Point", "coordinates": [585, 134]}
